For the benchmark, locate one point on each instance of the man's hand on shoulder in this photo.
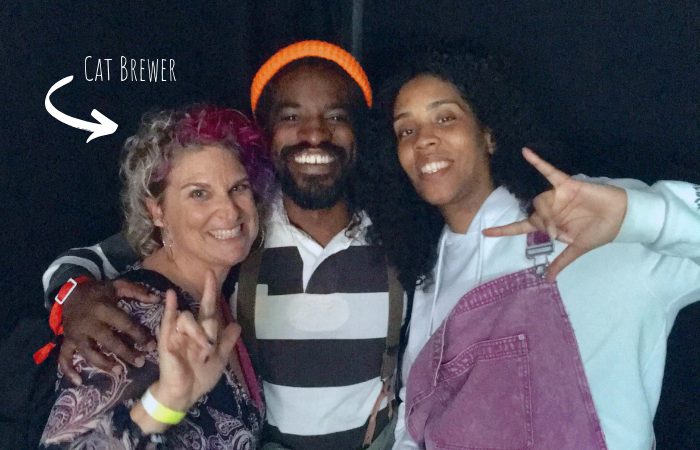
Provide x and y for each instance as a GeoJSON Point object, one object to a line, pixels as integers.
{"type": "Point", "coordinates": [93, 324]}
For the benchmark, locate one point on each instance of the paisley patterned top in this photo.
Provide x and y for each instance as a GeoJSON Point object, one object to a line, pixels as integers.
{"type": "Point", "coordinates": [95, 415]}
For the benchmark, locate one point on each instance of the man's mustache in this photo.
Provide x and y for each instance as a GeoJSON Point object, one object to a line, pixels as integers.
{"type": "Point", "coordinates": [288, 152]}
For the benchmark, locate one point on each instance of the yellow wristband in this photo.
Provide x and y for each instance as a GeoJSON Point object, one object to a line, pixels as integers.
{"type": "Point", "coordinates": [159, 411]}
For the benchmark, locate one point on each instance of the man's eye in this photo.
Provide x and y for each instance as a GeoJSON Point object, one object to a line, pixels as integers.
{"type": "Point", "coordinates": [404, 132]}
{"type": "Point", "coordinates": [338, 118]}
{"type": "Point", "coordinates": [289, 118]}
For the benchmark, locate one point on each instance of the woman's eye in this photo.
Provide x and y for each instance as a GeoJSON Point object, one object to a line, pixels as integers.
{"type": "Point", "coordinates": [240, 188]}
{"type": "Point", "coordinates": [289, 118]}
{"type": "Point", "coordinates": [198, 194]}
{"type": "Point", "coordinates": [446, 119]}
{"type": "Point", "coordinates": [338, 118]}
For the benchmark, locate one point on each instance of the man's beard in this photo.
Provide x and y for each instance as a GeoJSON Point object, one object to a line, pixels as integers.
{"type": "Point", "coordinates": [316, 192]}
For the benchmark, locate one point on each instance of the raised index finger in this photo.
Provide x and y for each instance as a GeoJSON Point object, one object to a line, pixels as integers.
{"type": "Point", "coordinates": [512, 229]}
{"type": "Point", "coordinates": [551, 173]}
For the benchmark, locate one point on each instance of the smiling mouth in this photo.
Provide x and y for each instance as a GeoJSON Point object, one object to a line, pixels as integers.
{"type": "Point", "coordinates": [433, 167]}
{"type": "Point", "coordinates": [223, 235]}
{"type": "Point", "coordinates": [312, 156]}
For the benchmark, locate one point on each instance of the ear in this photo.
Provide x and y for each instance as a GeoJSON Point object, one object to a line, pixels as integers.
{"type": "Point", "coordinates": [490, 142]}
{"type": "Point", "coordinates": [156, 212]}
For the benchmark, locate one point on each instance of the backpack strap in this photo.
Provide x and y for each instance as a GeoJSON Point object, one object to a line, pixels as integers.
{"type": "Point", "coordinates": [393, 334]}
{"type": "Point", "coordinates": [404, 341]}
{"type": "Point", "coordinates": [245, 302]}
{"type": "Point", "coordinates": [391, 352]}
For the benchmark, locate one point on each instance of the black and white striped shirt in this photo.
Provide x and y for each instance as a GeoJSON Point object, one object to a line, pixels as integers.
{"type": "Point", "coordinates": [321, 324]}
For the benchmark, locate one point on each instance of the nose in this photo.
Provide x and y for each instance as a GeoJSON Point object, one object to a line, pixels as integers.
{"type": "Point", "coordinates": [315, 130]}
{"type": "Point", "coordinates": [426, 137]}
{"type": "Point", "coordinates": [228, 209]}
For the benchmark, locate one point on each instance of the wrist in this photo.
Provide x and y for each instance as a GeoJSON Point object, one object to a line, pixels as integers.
{"type": "Point", "coordinates": [56, 315]}
{"type": "Point", "coordinates": [170, 399]}
{"type": "Point", "coordinates": [145, 422]}
{"type": "Point", "coordinates": [154, 416]}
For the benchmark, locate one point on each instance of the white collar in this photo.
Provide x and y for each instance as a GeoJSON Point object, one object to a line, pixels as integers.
{"type": "Point", "coordinates": [278, 215]}
{"type": "Point", "coordinates": [499, 208]}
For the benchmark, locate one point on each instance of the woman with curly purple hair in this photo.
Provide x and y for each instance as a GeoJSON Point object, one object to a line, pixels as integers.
{"type": "Point", "coordinates": [195, 182]}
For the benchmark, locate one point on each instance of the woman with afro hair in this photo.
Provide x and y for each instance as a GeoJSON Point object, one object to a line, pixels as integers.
{"type": "Point", "coordinates": [538, 321]}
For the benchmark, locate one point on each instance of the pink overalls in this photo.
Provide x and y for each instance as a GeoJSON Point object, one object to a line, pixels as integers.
{"type": "Point", "coordinates": [504, 372]}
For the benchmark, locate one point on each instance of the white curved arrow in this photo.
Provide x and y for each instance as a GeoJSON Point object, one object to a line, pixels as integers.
{"type": "Point", "coordinates": [104, 127]}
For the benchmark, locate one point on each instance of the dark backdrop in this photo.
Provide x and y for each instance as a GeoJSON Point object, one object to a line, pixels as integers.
{"type": "Point", "coordinates": [619, 79]}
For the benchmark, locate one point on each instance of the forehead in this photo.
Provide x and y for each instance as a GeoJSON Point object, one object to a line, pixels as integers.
{"type": "Point", "coordinates": [310, 85]}
{"type": "Point", "coordinates": [205, 160]}
{"type": "Point", "coordinates": [424, 91]}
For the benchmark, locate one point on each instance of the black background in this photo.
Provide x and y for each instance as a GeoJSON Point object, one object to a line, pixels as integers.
{"type": "Point", "coordinates": [619, 79]}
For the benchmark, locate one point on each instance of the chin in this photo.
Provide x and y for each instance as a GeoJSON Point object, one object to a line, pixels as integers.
{"type": "Point", "coordinates": [435, 198]}
{"type": "Point", "coordinates": [234, 255]}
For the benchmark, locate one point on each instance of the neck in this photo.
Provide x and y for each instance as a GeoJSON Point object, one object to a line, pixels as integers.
{"type": "Point", "coordinates": [187, 274]}
{"type": "Point", "coordinates": [459, 215]}
{"type": "Point", "coordinates": [321, 224]}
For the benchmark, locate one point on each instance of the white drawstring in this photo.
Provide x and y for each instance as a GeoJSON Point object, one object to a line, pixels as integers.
{"type": "Point", "coordinates": [480, 250]}
{"type": "Point", "coordinates": [438, 279]}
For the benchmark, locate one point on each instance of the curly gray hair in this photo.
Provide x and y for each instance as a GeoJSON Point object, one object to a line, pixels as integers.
{"type": "Point", "coordinates": [161, 136]}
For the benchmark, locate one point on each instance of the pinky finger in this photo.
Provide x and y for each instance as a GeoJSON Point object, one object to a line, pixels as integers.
{"type": "Point", "coordinates": [560, 262]}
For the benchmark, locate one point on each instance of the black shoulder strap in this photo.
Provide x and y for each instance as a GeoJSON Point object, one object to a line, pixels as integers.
{"type": "Point", "coordinates": [390, 355]}
{"type": "Point", "coordinates": [245, 302]}
{"type": "Point", "coordinates": [404, 339]}
{"type": "Point", "coordinates": [393, 335]}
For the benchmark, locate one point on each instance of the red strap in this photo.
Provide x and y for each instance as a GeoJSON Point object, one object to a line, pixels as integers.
{"type": "Point", "coordinates": [43, 353]}
{"type": "Point", "coordinates": [56, 316]}
{"type": "Point", "coordinates": [56, 319]}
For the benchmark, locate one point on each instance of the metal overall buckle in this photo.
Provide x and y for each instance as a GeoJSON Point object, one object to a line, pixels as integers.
{"type": "Point", "coordinates": [539, 246]}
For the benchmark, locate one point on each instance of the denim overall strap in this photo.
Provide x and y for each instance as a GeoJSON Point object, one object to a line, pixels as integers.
{"type": "Point", "coordinates": [503, 371]}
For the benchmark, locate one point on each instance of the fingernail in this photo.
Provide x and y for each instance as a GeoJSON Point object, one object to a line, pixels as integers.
{"type": "Point", "coordinates": [139, 361]}
{"type": "Point", "coordinates": [151, 345]}
{"type": "Point", "coordinates": [116, 370]}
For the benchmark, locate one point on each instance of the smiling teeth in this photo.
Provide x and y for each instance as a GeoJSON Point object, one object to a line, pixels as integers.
{"type": "Point", "coordinates": [226, 234]}
{"type": "Point", "coordinates": [433, 167]}
{"type": "Point", "coordinates": [315, 158]}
